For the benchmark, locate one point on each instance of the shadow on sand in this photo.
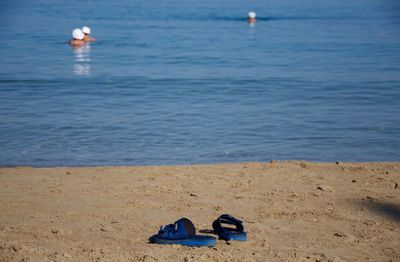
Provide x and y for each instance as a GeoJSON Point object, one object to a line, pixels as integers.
{"type": "Point", "coordinates": [382, 208]}
{"type": "Point", "coordinates": [207, 231]}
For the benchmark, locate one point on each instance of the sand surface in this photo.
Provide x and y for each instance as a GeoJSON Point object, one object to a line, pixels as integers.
{"type": "Point", "coordinates": [292, 211]}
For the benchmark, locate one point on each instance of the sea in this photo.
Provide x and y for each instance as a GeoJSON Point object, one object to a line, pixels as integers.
{"type": "Point", "coordinates": [192, 82]}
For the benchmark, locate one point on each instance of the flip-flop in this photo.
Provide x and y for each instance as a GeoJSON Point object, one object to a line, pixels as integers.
{"type": "Point", "coordinates": [182, 232]}
{"type": "Point", "coordinates": [228, 233]}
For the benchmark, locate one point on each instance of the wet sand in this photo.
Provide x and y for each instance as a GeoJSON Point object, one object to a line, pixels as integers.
{"type": "Point", "coordinates": [292, 211]}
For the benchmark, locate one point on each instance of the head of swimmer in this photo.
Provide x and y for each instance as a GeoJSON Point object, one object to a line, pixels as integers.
{"type": "Point", "coordinates": [251, 17]}
{"type": "Point", "coordinates": [87, 37]}
{"type": "Point", "coordinates": [77, 37]}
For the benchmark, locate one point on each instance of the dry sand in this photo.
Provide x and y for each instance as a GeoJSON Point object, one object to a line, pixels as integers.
{"type": "Point", "coordinates": [293, 211]}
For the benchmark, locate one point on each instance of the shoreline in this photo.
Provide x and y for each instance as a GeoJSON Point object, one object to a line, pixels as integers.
{"type": "Point", "coordinates": [274, 161]}
{"type": "Point", "coordinates": [292, 211]}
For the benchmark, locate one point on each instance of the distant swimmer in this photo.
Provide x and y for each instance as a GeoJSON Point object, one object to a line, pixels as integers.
{"type": "Point", "coordinates": [251, 17]}
{"type": "Point", "coordinates": [77, 38]}
{"type": "Point", "coordinates": [86, 30]}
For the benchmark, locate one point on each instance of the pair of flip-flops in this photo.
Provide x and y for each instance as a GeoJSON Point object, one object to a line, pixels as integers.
{"type": "Point", "coordinates": [183, 232]}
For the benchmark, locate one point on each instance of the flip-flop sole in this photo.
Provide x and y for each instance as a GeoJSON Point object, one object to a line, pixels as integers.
{"type": "Point", "coordinates": [237, 236]}
{"type": "Point", "coordinates": [194, 241]}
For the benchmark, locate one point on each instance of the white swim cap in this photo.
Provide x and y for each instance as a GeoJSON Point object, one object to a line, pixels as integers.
{"type": "Point", "coordinates": [251, 15]}
{"type": "Point", "coordinates": [86, 30]}
{"type": "Point", "coordinates": [77, 34]}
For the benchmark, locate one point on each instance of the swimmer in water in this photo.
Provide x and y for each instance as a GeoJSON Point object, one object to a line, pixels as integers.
{"type": "Point", "coordinates": [251, 17]}
{"type": "Point", "coordinates": [86, 31]}
{"type": "Point", "coordinates": [77, 38]}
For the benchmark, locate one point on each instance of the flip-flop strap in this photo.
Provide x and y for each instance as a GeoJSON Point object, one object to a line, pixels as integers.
{"type": "Point", "coordinates": [167, 230]}
{"type": "Point", "coordinates": [183, 228]}
{"type": "Point", "coordinates": [227, 219]}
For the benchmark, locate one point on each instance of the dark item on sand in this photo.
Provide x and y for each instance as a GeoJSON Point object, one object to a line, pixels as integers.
{"type": "Point", "coordinates": [229, 233]}
{"type": "Point", "coordinates": [182, 232]}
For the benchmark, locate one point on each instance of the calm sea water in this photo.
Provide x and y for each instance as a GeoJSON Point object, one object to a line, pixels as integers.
{"type": "Point", "coordinates": [181, 82]}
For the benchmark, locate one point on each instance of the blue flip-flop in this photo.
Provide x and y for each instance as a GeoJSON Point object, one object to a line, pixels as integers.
{"type": "Point", "coordinates": [228, 233]}
{"type": "Point", "coordinates": [182, 232]}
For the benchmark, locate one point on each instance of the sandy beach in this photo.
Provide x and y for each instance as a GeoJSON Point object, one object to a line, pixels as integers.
{"type": "Point", "coordinates": [292, 211]}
